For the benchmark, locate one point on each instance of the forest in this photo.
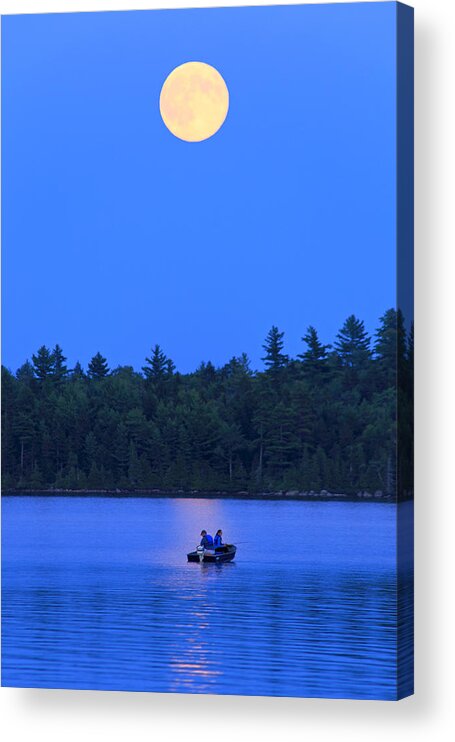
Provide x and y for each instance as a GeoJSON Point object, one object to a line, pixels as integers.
{"type": "Point", "coordinates": [336, 418]}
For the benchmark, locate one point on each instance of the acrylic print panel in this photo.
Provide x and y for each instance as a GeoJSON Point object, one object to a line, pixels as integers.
{"type": "Point", "coordinates": [207, 351]}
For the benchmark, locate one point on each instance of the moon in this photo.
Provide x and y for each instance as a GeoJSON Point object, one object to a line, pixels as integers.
{"type": "Point", "coordinates": [194, 101]}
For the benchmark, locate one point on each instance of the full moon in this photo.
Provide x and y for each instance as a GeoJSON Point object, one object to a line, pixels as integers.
{"type": "Point", "coordinates": [194, 101]}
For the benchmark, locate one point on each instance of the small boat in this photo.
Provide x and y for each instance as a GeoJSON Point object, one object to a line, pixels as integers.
{"type": "Point", "coordinates": [225, 553]}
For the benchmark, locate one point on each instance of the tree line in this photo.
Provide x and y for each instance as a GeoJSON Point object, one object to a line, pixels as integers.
{"type": "Point", "coordinates": [333, 418]}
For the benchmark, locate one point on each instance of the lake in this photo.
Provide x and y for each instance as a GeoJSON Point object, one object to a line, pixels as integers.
{"type": "Point", "coordinates": [97, 594]}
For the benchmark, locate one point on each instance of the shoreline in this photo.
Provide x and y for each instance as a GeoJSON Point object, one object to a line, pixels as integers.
{"type": "Point", "coordinates": [323, 496]}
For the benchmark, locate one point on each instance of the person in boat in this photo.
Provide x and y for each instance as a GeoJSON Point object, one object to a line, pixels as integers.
{"type": "Point", "coordinates": [206, 540]}
{"type": "Point", "coordinates": [218, 540]}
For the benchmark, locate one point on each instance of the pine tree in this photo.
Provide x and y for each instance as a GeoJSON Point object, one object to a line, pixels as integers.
{"type": "Point", "coordinates": [8, 414]}
{"type": "Point", "coordinates": [89, 450]}
{"type": "Point", "coordinates": [207, 377]}
{"type": "Point", "coordinates": [134, 467]}
{"type": "Point", "coordinates": [402, 351]}
{"type": "Point", "coordinates": [353, 343]}
{"type": "Point", "coordinates": [24, 428]}
{"type": "Point", "coordinates": [59, 370]}
{"type": "Point", "coordinates": [405, 409]}
{"type": "Point", "coordinates": [385, 349]}
{"type": "Point", "coordinates": [95, 478]}
{"type": "Point", "coordinates": [231, 441]}
{"type": "Point", "coordinates": [157, 365]}
{"type": "Point", "coordinates": [314, 359]}
{"type": "Point", "coordinates": [147, 478]}
{"type": "Point", "coordinates": [274, 357]}
{"type": "Point", "coordinates": [281, 438]}
{"type": "Point", "coordinates": [410, 347]}
{"type": "Point", "coordinates": [43, 363]}
{"type": "Point", "coordinates": [78, 372]}
{"type": "Point", "coordinates": [353, 358]}
{"type": "Point", "coordinates": [219, 427]}
{"type": "Point", "coordinates": [121, 451]}
{"type": "Point", "coordinates": [98, 368]}
{"type": "Point", "coordinates": [25, 374]}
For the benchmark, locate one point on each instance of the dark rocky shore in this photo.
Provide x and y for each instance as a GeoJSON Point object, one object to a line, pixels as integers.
{"type": "Point", "coordinates": [323, 495]}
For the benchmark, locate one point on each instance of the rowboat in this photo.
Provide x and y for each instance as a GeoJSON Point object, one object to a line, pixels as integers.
{"type": "Point", "coordinates": [224, 553]}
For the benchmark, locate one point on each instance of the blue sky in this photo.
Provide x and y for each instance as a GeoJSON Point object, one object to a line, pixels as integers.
{"type": "Point", "coordinates": [117, 235]}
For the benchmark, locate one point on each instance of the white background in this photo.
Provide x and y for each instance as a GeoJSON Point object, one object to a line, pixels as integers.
{"type": "Point", "coordinates": [79, 715]}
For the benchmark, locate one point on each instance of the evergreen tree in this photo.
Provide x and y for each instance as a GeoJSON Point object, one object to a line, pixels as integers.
{"type": "Point", "coordinates": [78, 372]}
{"type": "Point", "coordinates": [134, 467]}
{"type": "Point", "coordinates": [8, 413]}
{"type": "Point", "coordinates": [405, 408]}
{"type": "Point", "coordinates": [274, 357]}
{"type": "Point", "coordinates": [157, 367]}
{"type": "Point", "coordinates": [219, 428]}
{"type": "Point", "coordinates": [98, 368]}
{"type": "Point", "coordinates": [230, 442]}
{"type": "Point", "coordinates": [90, 449]}
{"type": "Point", "coordinates": [95, 479]}
{"type": "Point", "coordinates": [24, 427]}
{"type": "Point", "coordinates": [207, 378]}
{"type": "Point", "coordinates": [314, 359]}
{"type": "Point", "coordinates": [386, 349]}
{"type": "Point", "coordinates": [353, 344]}
{"type": "Point", "coordinates": [170, 367]}
{"type": "Point", "coordinates": [121, 451]}
{"type": "Point", "coordinates": [353, 357]}
{"type": "Point", "coordinates": [402, 352]}
{"type": "Point", "coordinates": [25, 374]}
{"type": "Point", "coordinates": [43, 363]}
{"type": "Point", "coordinates": [59, 370]}
{"type": "Point", "coordinates": [410, 349]}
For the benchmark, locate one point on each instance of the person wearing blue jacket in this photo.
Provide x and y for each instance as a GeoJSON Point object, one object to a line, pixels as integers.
{"type": "Point", "coordinates": [218, 540]}
{"type": "Point", "coordinates": [206, 540]}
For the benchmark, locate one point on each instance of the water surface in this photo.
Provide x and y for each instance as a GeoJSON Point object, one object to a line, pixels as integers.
{"type": "Point", "coordinates": [97, 594]}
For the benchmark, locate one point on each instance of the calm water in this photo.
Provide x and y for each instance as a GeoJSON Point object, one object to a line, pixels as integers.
{"type": "Point", "coordinates": [97, 593]}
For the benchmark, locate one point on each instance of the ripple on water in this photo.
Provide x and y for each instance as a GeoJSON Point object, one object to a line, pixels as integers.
{"type": "Point", "coordinates": [97, 594]}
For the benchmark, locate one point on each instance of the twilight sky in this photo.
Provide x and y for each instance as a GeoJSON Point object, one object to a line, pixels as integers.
{"type": "Point", "coordinates": [117, 235]}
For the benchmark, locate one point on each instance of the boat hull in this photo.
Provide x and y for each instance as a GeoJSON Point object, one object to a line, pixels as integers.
{"type": "Point", "coordinates": [223, 554]}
